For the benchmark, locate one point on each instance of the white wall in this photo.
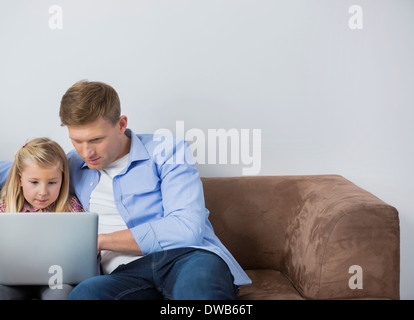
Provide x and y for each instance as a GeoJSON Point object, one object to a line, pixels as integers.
{"type": "Point", "coordinates": [327, 98]}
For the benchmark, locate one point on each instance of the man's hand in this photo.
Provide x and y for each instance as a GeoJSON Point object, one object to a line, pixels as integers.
{"type": "Point", "coordinates": [122, 241]}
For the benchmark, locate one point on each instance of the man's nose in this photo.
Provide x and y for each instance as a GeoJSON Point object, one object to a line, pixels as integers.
{"type": "Point", "coordinates": [86, 151]}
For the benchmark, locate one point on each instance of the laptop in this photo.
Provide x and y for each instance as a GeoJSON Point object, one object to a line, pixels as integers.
{"type": "Point", "coordinates": [48, 248]}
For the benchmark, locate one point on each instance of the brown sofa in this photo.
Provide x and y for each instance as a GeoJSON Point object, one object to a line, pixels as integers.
{"type": "Point", "coordinates": [298, 236]}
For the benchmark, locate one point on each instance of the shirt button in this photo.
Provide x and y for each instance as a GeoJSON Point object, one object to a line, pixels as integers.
{"type": "Point", "coordinates": [91, 184]}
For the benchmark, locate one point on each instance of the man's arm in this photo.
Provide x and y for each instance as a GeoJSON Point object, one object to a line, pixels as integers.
{"type": "Point", "coordinates": [4, 171]}
{"type": "Point", "coordinates": [184, 213]}
{"type": "Point", "coordinates": [118, 241]}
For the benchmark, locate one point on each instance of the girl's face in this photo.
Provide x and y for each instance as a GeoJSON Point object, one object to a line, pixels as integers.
{"type": "Point", "coordinates": [40, 186]}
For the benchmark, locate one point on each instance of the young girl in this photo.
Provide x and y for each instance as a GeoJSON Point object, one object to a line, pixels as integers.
{"type": "Point", "coordinates": [38, 181]}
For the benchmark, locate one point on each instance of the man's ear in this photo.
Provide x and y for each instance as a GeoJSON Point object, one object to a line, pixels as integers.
{"type": "Point", "coordinates": [123, 123]}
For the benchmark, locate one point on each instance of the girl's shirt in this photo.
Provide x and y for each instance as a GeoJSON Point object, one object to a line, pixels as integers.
{"type": "Point", "coordinates": [73, 206]}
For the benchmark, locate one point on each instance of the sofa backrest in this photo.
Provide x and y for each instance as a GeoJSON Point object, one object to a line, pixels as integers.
{"type": "Point", "coordinates": [250, 216]}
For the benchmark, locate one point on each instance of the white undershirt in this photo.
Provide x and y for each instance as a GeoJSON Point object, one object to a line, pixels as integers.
{"type": "Point", "coordinates": [102, 202]}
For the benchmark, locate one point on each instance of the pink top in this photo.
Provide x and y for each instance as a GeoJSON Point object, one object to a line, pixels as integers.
{"type": "Point", "coordinates": [73, 206]}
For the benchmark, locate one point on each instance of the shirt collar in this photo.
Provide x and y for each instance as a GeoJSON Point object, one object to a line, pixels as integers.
{"type": "Point", "coordinates": [29, 208]}
{"type": "Point", "coordinates": [138, 150]}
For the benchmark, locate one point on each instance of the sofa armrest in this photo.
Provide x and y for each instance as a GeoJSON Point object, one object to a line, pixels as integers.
{"type": "Point", "coordinates": [337, 226]}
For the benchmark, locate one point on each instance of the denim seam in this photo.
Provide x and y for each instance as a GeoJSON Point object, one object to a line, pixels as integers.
{"type": "Point", "coordinates": [154, 265]}
{"type": "Point", "coordinates": [120, 295]}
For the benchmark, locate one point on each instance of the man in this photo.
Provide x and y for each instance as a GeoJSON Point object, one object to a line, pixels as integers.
{"type": "Point", "coordinates": [155, 239]}
{"type": "Point", "coordinates": [4, 171]}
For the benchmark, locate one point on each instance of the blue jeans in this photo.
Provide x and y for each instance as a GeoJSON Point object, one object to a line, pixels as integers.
{"type": "Point", "coordinates": [176, 274]}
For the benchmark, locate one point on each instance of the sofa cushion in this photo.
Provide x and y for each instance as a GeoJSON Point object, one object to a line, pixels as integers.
{"type": "Point", "coordinates": [268, 284]}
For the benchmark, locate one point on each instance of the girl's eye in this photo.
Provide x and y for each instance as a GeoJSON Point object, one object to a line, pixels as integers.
{"type": "Point", "coordinates": [52, 182]}
{"type": "Point", "coordinates": [33, 182]}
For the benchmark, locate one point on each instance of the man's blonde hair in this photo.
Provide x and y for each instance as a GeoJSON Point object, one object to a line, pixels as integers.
{"type": "Point", "coordinates": [45, 153]}
{"type": "Point", "coordinates": [86, 101]}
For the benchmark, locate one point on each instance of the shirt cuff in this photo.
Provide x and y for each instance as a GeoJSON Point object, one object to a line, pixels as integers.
{"type": "Point", "coordinates": [145, 237]}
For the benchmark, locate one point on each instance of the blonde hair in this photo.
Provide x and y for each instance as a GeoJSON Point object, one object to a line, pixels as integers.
{"type": "Point", "coordinates": [45, 153]}
{"type": "Point", "coordinates": [85, 102]}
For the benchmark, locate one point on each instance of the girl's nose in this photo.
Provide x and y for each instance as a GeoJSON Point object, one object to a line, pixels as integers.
{"type": "Point", "coordinates": [43, 190]}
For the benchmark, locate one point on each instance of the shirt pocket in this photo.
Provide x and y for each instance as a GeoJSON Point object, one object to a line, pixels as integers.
{"type": "Point", "coordinates": [139, 180]}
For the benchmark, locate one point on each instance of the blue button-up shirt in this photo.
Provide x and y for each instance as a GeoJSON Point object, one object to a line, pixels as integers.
{"type": "Point", "coordinates": [4, 171]}
{"type": "Point", "coordinates": [160, 197]}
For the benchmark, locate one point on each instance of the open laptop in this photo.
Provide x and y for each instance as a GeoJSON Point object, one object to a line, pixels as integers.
{"type": "Point", "coordinates": [47, 248]}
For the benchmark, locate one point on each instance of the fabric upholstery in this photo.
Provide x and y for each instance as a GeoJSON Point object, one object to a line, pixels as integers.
{"type": "Point", "coordinates": [297, 236]}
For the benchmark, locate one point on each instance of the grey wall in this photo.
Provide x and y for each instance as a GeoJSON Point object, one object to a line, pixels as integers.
{"type": "Point", "coordinates": [324, 97]}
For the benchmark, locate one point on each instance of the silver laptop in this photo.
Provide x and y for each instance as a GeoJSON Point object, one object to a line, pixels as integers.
{"type": "Point", "coordinates": [48, 248]}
